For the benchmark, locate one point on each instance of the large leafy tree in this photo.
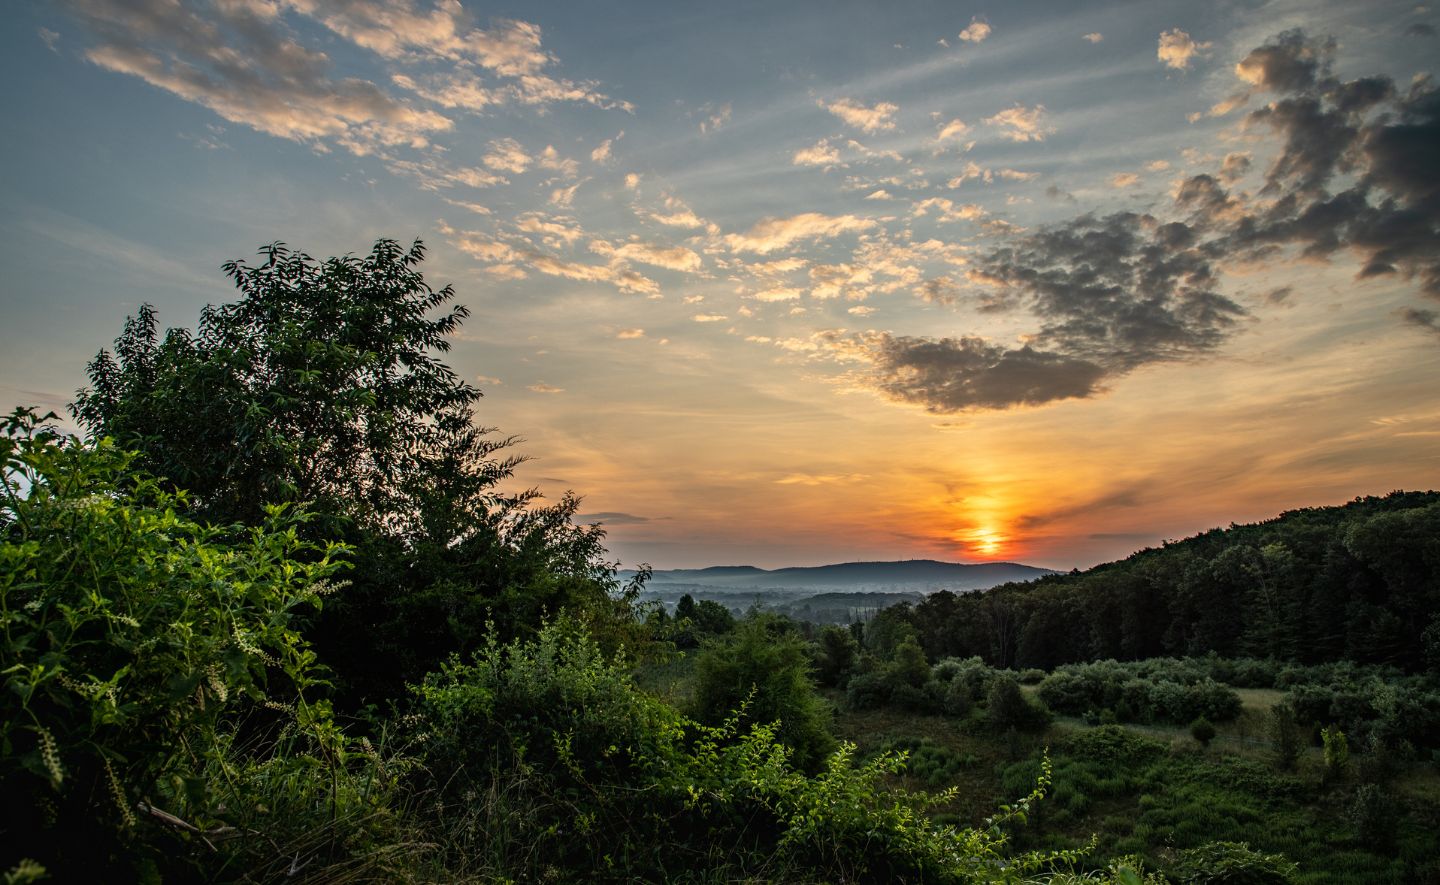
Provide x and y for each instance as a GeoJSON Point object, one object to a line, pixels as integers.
{"type": "Point", "coordinates": [323, 384]}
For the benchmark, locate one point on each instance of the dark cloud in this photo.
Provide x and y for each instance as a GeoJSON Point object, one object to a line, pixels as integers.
{"type": "Point", "coordinates": [1288, 62]}
{"type": "Point", "coordinates": [1114, 293]}
{"type": "Point", "coordinates": [1428, 320]}
{"type": "Point", "coordinates": [1420, 29]}
{"type": "Point", "coordinates": [955, 374]}
{"type": "Point", "coordinates": [612, 517]}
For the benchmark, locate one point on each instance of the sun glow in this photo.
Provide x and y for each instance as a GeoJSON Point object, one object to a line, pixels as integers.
{"type": "Point", "coordinates": [984, 541]}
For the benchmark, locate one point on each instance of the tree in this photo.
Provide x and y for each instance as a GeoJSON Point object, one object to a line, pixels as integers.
{"type": "Point", "coordinates": [835, 656]}
{"type": "Point", "coordinates": [768, 674]}
{"type": "Point", "coordinates": [1202, 731]}
{"type": "Point", "coordinates": [323, 384]}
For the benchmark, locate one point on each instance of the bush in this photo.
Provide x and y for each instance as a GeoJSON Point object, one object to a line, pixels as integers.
{"type": "Point", "coordinates": [868, 691]}
{"type": "Point", "coordinates": [133, 634]}
{"type": "Point", "coordinates": [1231, 863]}
{"type": "Point", "coordinates": [1202, 731]}
{"type": "Point", "coordinates": [1285, 740]}
{"type": "Point", "coordinates": [836, 655]}
{"type": "Point", "coordinates": [957, 701]}
{"type": "Point", "coordinates": [582, 775]}
{"type": "Point", "coordinates": [769, 677]}
{"type": "Point", "coordinates": [1007, 707]}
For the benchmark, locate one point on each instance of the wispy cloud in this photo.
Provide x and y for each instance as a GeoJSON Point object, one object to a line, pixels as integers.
{"type": "Point", "coordinates": [875, 118]}
{"type": "Point", "coordinates": [772, 234]}
{"type": "Point", "coordinates": [1020, 123]}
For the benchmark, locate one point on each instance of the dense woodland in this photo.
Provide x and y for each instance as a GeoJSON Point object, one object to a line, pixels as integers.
{"type": "Point", "coordinates": [279, 615]}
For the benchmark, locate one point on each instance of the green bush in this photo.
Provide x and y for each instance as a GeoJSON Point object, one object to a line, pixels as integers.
{"type": "Point", "coordinates": [1007, 707]}
{"type": "Point", "coordinates": [1202, 731]}
{"type": "Point", "coordinates": [133, 635]}
{"type": "Point", "coordinates": [769, 676]}
{"type": "Point", "coordinates": [1231, 863]}
{"type": "Point", "coordinates": [582, 775]}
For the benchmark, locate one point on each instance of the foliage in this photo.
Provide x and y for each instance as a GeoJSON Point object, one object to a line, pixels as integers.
{"type": "Point", "coordinates": [1337, 752]}
{"type": "Point", "coordinates": [597, 780]}
{"type": "Point", "coordinates": [1143, 691]}
{"type": "Point", "coordinates": [1007, 707]}
{"type": "Point", "coordinates": [1285, 740]}
{"type": "Point", "coordinates": [323, 384]}
{"type": "Point", "coordinates": [769, 675]}
{"type": "Point", "coordinates": [1231, 863]}
{"type": "Point", "coordinates": [133, 636]}
{"type": "Point", "coordinates": [1359, 582]}
{"type": "Point", "coordinates": [1202, 731]}
{"type": "Point", "coordinates": [836, 656]}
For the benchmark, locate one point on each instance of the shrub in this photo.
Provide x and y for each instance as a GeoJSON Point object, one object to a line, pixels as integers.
{"type": "Point", "coordinates": [1202, 731]}
{"type": "Point", "coordinates": [836, 655]}
{"type": "Point", "coordinates": [770, 677]}
{"type": "Point", "coordinates": [1337, 752]}
{"type": "Point", "coordinates": [957, 700]}
{"type": "Point", "coordinates": [582, 775]}
{"type": "Point", "coordinates": [132, 633]}
{"type": "Point", "coordinates": [1285, 742]}
{"type": "Point", "coordinates": [1007, 707]}
{"type": "Point", "coordinates": [868, 691]}
{"type": "Point", "coordinates": [1231, 863]}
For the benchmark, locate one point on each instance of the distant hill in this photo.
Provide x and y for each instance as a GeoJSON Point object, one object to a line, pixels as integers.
{"type": "Point", "coordinates": [1358, 581]}
{"type": "Point", "coordinates": [910, 574]}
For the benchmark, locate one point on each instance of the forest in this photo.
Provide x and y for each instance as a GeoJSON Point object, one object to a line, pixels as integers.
{"type": "Point", "coordinates": [279, 614]}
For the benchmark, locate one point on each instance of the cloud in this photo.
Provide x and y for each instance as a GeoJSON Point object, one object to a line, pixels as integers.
{"type": "Point", "coordinates": [715, 118]}
{"type": "Point", "coordinates": [1176, 49]}
{"type": "Point", "coordinates": [876, 118]}
{"type": "Point", "coordinates": [1124, 179]}
{"type": "Point", "coordinates": [953, 129]}
{"type": "Point", "coordinates": [1112, 294]}
{"type": "Point", "coordinates": [1020, 123]}
{"type": "Point", "coordinates": [709, 318]}
{"type": "Point", "coordinates": [821, 153]}
{"type": "Point", "coordinates": [50, 38]}
{"type": "Point", "coordinates": [819, 479]}
{"type": "Point", "coordinates": [563, 197]}
{"type": "Point", "coordinates": [1420, 29]}
{"type": "Point", "coordinates": [1234, 166]}
{"type": "Point", "coordinates": [976, 31]}
{"type": "Point", "coordinates": [779, 293]}
{"type": "Point", "coordinates": [880, 194]}
{"type": "Point", "coordinates": [630, 334]}
{"type": "Point", "coordinates": [945, 375]}
{"type": "Point", "coordinates": [612, 517]}
{"type": "Point", "coordinates": [676, 214]}
{"type": "Point", "coordinates": [551, 159]}
{"type": "Point", "coordinates": [506, 155]}
{"type": "Point", "coordinates": [601, 153]}
{"type": "Point", "coordinates": [771, 234]}
{"type": "Point", "coordinates": [668, 257]}
{"type": "Point", "coordinates": [246, 60]}
{"type": "Point", "coordinates": [1428, 320]}
{"type": "Point", "coordinates": [542, 387]}
{"type": "Point", "coordinates": [946, 211]}
{"type": "Point", "coordinates": [1093, 37]}
{"type": "Point", "coordinates": [249, 69]}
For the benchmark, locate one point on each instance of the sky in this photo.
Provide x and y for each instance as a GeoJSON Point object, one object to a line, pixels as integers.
{"type": "Point", "coordinates": [794, 283]}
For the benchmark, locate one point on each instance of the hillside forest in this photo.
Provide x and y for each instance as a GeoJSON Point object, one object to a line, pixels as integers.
{"type": "Point", "coordinates": [281, 614]}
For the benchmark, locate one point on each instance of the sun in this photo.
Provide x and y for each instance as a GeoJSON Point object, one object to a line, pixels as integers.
{"type": "Point", "coordinates": [986, 541]}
